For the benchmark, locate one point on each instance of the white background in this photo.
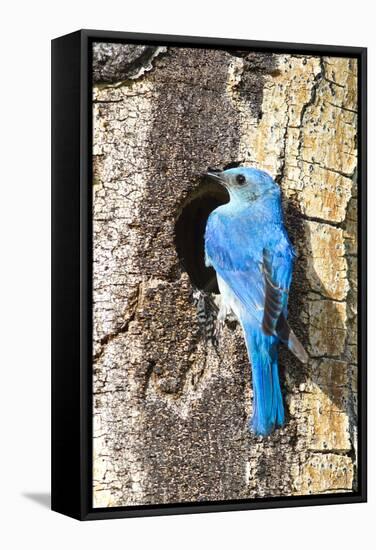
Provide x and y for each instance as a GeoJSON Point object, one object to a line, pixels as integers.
{"type": "Point", "coordinates": [27, 28]}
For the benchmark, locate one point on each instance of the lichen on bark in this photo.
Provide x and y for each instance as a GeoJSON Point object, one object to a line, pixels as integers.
{"type": "Point", "coordinates": [170, 408]}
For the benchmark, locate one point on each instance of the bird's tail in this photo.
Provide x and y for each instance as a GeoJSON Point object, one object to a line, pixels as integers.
{"type": "Point", "coordinates": [268, 410]}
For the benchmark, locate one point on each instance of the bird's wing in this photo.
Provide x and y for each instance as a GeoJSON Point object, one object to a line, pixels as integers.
{"type": "Point", "coordinates": [277, 267]}
{"type": "Point", "coordinates": [277, 264]}
{"type": "Point", "coordinates": [259, 276]}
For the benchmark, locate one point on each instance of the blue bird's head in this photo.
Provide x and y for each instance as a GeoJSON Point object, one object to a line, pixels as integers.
{"type": "Point", "coordinates": [246, 185]}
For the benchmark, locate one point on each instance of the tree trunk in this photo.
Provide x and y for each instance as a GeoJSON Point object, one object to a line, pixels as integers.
{"type": "Point", "coordinates": [171, 404]}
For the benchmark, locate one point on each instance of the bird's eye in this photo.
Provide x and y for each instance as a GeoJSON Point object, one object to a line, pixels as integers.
{"type": "Point", "coordinates": [240, 179]}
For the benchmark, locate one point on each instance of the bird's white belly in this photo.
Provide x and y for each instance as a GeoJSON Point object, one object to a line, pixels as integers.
{"type": "Point", "coordinates": [229, 301]}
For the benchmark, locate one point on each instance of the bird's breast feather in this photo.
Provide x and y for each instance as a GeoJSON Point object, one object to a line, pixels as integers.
{"type": "Point", "coordinates": [232, 244]}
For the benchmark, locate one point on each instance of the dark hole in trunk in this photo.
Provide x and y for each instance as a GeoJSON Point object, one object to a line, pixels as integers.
{"type": "Point", "coordinates": [190, 230]}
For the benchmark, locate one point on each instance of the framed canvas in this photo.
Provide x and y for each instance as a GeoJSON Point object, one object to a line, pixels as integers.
{"type": "Point", "coordinates": [209, 274]}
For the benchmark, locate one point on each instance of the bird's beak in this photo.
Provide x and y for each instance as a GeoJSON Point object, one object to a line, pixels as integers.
{"type": "Point", "coordinates": [216, 177]}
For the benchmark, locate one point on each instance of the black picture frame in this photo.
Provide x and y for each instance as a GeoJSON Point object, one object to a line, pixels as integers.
{"type": "Point", "coordinates": [72, 284]}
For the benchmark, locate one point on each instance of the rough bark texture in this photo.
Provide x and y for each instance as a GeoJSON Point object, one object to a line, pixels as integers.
{"type": "Point", "coordinates": [171, 408]}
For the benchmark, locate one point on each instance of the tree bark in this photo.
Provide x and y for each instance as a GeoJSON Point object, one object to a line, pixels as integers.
{"type": "Point", "coordinates": [170, 406]}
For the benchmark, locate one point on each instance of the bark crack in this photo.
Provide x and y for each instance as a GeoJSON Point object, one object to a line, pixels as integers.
{"type": "Point", "coordinates": [122, 329]}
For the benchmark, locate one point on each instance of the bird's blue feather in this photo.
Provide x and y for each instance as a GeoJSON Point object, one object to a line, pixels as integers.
{"type": "Point", "coordinates": [268, 411]}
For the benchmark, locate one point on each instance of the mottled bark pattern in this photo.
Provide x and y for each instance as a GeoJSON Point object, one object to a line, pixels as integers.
{"type": "Point", "coordinates": [170, 409]}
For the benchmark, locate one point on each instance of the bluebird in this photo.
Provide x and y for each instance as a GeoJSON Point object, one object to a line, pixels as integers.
{"type": "Point", "coordinates": [247, 244]}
